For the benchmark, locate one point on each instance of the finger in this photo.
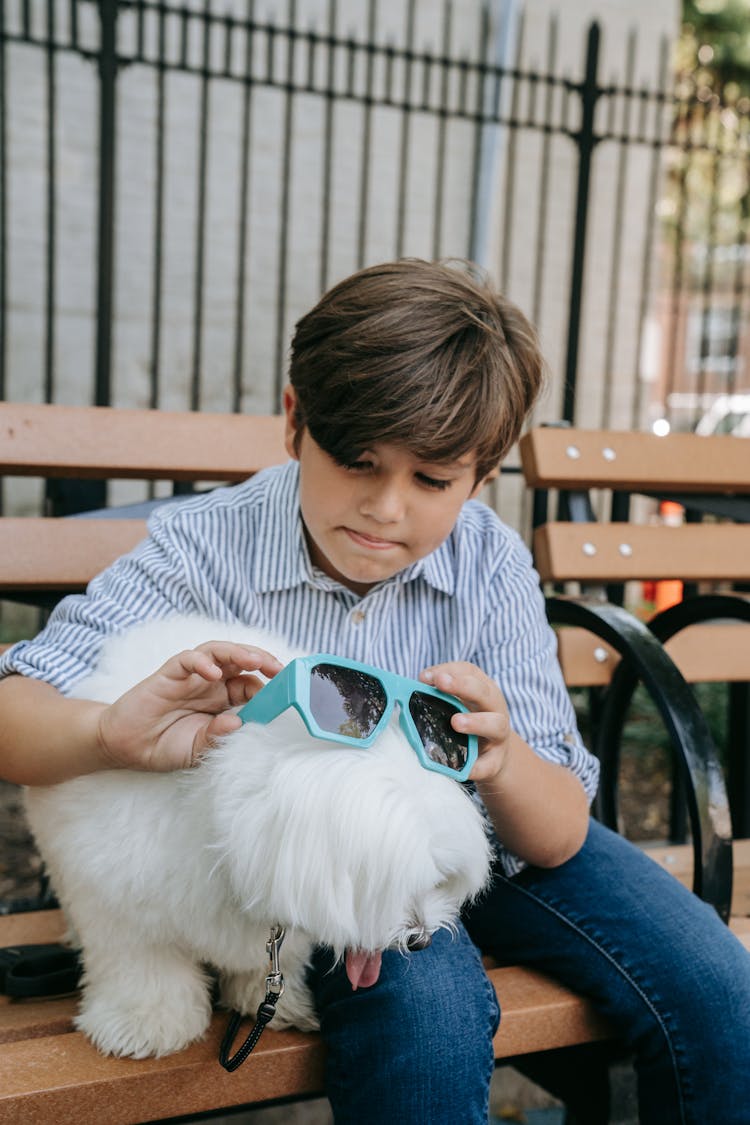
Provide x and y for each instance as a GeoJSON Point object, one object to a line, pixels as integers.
{"type": "Point", "coordinates": [450, 668]}
{"type": "Point", "coordinates": [233, 658]}
{"type": "Point", "coordinates": [242, 688]}
{"type": "Point", "coordinates": [194, 662]}
{"type": "Point", "coordinates": [490, 726]}
{"type": "Point", "coordinates": [469, 684]}
{"type": "Point", "coordinates": [223, 724]}
{"type": "Point", "coordinates": [218, 727]}
{"type": "Point", "coordinates": [488, 766]}
{"type": "Point", "coordinates": [216, 660]}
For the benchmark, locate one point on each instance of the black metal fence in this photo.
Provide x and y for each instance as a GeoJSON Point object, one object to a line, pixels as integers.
{"type": "Point", "coordinates": [179, 183]}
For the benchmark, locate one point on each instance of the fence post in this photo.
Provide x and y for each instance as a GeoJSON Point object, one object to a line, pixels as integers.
{"type": "Point", "coordinates": [65, 497]}
{"type": "Point", "coordinates": [586, 141]}
{"type": "Point", "coordinates": [106, 202]}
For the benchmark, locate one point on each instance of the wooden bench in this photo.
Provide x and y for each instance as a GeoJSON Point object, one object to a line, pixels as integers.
{"type": "Point", "coordinates": [707, 633]}
{"type": "Point", "coordinates": [48, 1072]}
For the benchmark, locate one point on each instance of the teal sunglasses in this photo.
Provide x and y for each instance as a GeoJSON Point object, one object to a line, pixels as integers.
{"type": "Point", "coordinates": [343, 701]}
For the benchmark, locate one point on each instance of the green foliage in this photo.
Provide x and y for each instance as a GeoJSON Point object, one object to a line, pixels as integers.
{"type": "Point", "coordinates": [644, 731]}
{"type": "Point", "coordinates": [715, 44]}
{"type": "Point", "coordinates": [645, 775]}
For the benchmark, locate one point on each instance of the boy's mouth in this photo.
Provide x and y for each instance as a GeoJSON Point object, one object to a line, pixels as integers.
{"type": "Point", "coordinates": [372, 541]}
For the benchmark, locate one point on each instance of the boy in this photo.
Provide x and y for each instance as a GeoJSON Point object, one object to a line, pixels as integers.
{"type": "Point", "coordinates": [409, 382]}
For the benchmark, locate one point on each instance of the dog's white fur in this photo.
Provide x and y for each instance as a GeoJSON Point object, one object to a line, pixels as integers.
{"type": "Point", "coordinates": [163, 875]}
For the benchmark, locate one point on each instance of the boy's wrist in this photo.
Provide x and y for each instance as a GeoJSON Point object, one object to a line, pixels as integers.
{"type": "Point", "coordinates": [100, 757]}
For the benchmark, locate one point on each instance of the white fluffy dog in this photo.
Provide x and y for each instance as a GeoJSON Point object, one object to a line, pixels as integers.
{"type": "Point", "coordinates": [164, 877]}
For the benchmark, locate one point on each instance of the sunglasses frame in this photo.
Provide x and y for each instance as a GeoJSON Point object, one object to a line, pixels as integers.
{"type": "Point", "coordinates": [291, 688]}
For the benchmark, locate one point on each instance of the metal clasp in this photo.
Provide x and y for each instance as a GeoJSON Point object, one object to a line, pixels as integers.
{"type": "Point", "coordinates": [275, 979]}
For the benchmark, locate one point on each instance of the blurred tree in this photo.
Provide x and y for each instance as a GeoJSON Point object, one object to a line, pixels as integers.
{"type": "Point", "coordinates": [715, 45]}
{"type": "Point", "coordinates": [707, 199]}
{"type": "Point", "coordinates": [705, 207]}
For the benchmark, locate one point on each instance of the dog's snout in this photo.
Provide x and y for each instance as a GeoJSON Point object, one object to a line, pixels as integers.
{"type": "Point", "coordinates": [419, 939]}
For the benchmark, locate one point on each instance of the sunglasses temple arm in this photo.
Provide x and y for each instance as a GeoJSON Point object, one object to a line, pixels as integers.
{"type": "Point", "coordinates": [273, 698]}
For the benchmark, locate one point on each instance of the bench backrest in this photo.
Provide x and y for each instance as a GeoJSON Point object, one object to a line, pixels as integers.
{"type": "Point", "coordinates": [702, 473]}
{"type": "Point", "coordinates": [568, 458]}
{"type": "Point", "coordinates": [107, 443]}
{"type": "Point", "coordinates": [57, 555]}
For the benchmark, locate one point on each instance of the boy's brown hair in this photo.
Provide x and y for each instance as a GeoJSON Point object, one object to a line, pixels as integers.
{"type": "Point", "coordinates": [425, 355]}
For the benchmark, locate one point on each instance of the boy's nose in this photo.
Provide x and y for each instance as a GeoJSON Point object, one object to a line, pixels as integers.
{"type": "Point", "coordinates": [384, 504]}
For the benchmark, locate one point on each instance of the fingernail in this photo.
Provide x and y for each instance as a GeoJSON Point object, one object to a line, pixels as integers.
{"type": "Point", "coordinates": [428, 676]}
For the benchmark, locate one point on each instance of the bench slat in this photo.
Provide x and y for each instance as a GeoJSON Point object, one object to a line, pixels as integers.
{"type": "Point", "coordinates": [592, 552]}
{"type": "Point", "coordinates": [678, 861]}
{"type": "Point", "coordinates": [634, 461]}
{"type": "Point", "coordinates": [61, 1078]}
{"type": "Point", "coordinates": [47, 553]}
{"type": "Point", "coordinates": [705, 653]}
{"type": "Point", "coordinates": [61, 555]}
{"type": "Point", "coordinates": [530, 1000]}
{"type": "Point", "coordinates": [102, 442]}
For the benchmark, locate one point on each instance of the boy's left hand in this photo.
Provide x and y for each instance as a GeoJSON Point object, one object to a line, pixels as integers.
{"type": "Point", "coordinates": [488, 716]}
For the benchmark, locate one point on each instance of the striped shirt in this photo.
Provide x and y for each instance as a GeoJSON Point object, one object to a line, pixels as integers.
{"type": "Point", "coordinates": [240, 555]}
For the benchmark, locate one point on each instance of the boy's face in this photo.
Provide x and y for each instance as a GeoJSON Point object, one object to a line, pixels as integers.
{"type": "Point", "coordinates": [367, 521]}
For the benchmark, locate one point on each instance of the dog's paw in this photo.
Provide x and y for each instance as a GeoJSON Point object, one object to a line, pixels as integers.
{"type": "Point", "coordinates": [127, 1018]}
{"type": "Point", "coordinates": [244, 992]}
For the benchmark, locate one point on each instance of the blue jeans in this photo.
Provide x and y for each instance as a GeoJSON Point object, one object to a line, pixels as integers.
{"type": "Point", "coordinates": [415, 1049]}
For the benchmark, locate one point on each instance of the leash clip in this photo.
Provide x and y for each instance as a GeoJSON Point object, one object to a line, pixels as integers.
{"type": "Point", "coordinates": [275, 979]}
{"type": "Point", "coordinates": [274, 989]}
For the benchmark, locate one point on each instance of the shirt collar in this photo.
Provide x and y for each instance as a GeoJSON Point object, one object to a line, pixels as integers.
{"type": "Point", "coordinates": [438, 569]}
{"type": "Point", "coordinates": [287, 564]}
{"type": "Point", "coordinates": [280, 559]}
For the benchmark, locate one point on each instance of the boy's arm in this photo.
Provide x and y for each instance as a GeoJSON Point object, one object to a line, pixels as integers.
{"type": "Point", "coordinates": [163, 723]}
{"type": "Point", "coordinates": [44, 737]}
{"type": "Point", "coordinates": [539, 809]}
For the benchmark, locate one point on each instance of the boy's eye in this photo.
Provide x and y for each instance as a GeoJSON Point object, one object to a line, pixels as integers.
{"type": "Point", "coordinates": [433, 482]}
{"type": "Point", "coordinates": [364, 465]}
{"type": "Point", "coordinates": [356, 466]}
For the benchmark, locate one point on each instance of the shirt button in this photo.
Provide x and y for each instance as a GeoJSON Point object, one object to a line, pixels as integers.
{"type": "Point", "coordinates": [358, 617]}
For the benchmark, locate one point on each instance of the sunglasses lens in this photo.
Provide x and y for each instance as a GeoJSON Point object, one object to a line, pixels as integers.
{"type": "Point", "coordinates": [346, 701]}
{"type": "Point", "coordinates": [432, 718]}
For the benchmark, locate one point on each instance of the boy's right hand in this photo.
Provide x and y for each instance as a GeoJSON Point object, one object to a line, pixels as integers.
{"type": "Point", "coordinates": [166, 721]}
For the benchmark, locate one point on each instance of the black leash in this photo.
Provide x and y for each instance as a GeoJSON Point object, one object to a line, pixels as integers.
{"type": "Point", "coordinates": [274, 989]}
{"type": "Point", "coordinates": [39, 970]}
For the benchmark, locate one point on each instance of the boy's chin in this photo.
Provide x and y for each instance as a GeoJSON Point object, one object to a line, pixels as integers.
{"type": "Point", "coordinates": [360, 579]}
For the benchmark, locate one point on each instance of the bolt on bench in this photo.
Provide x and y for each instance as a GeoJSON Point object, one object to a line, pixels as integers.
{"type": "Point", "coordinates": [48, 1072]}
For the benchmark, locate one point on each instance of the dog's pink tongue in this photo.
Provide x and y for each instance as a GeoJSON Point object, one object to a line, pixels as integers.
{"type": "Point", "coordinates": [362, 968]}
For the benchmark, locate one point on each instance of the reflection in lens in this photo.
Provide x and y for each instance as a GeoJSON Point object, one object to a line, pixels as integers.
{"type": "Point", "coordinates": [345, 700]}
{"type": "Point", "coordinates": [432, 718]}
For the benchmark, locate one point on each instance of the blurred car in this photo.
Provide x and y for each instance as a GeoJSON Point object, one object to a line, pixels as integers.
{"type": "Point", "coordinates": [727, 414]}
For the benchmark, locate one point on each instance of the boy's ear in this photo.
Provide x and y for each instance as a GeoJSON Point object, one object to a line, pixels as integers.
{"type": "Point", "coordinates": [493, 474]}
{"type": "Point", "coordinates": [291, 430]}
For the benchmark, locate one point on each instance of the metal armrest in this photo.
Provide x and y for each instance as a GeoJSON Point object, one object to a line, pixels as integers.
{"type": "Point", "coordinates": [702, 607]}
{"type": "Point", "coordinates": [644, 659]}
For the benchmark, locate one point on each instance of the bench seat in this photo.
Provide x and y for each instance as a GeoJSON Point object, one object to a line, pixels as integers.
{"type": "Point", "coordinates": [51, 1073]}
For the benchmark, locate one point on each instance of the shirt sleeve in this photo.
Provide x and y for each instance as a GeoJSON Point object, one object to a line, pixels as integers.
{"type": "Point", "coordinates": [148, 583]}
{"type": "Point", "coordinates": [519, 650]}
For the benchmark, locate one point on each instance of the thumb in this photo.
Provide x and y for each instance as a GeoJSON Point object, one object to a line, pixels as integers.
{"type": "Point", "coordinates": [216, 728]}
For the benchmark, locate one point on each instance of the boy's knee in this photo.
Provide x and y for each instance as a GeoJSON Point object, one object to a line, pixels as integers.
{"type": "Point", "coordinates": [417, 1045]}
{"type": "Point", "coordinates": [436, 1003]}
